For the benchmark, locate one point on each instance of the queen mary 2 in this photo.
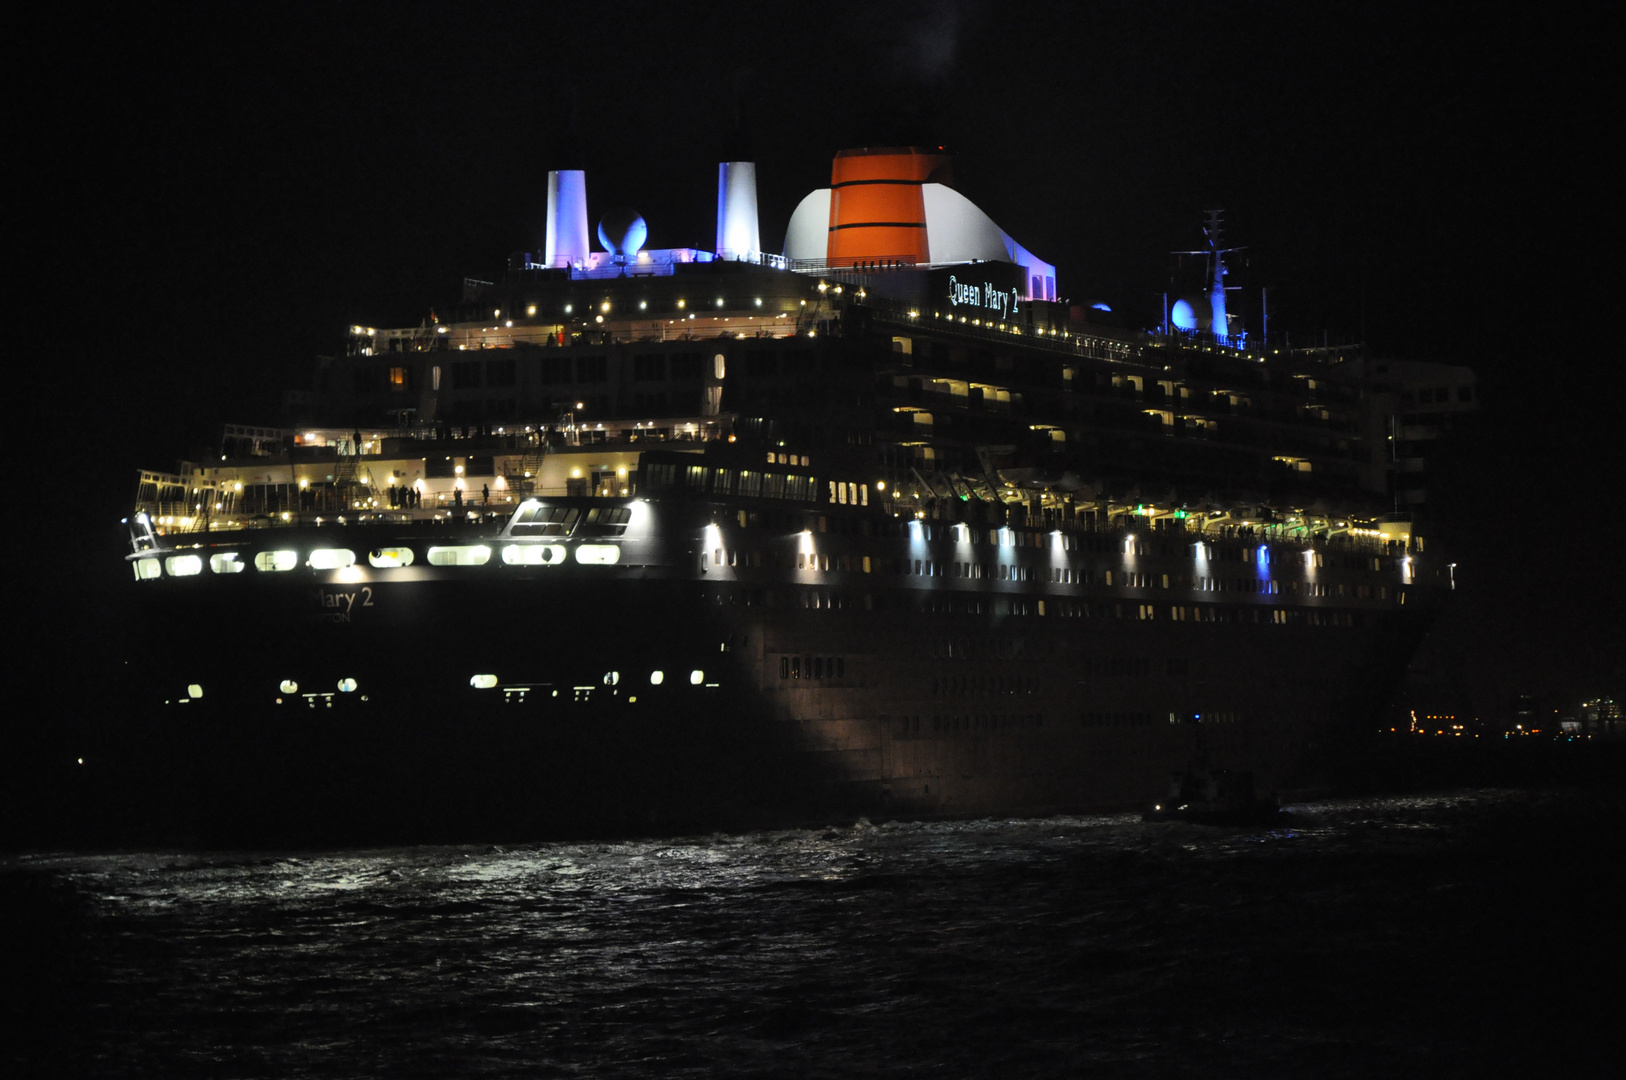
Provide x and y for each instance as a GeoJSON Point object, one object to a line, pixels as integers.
{"type": "Point", "coordinates": [636, 539]}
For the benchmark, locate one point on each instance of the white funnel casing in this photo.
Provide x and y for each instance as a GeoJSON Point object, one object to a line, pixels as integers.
{"type": "Point", "coordinates": [567, 241]}
{"type": "Point", "coordinates": [737, 234]}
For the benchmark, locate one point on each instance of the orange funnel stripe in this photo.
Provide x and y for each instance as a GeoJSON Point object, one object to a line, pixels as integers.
{"type": "Point", "coordinates": [876, 207]}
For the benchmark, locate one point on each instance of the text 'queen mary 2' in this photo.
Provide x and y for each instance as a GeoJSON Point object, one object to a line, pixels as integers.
{"type": "Point", "coordinates": [686, 538]}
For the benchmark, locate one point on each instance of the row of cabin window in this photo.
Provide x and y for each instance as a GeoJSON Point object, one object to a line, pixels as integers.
{"type": "Point", "coordinates": [961, 722]}
{"type": "Point", "coordinates": [1051, 575]}
{"type": "Point", "coordinates": [701, 480]}
{"type": "Point", "coordinates": [1031, 538]}
{"type": "Point", "coordinates": [812, 667]}
{"type": "Point", "coordinates": [970, 685]}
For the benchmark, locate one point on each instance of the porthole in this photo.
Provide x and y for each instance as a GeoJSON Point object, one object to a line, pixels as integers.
{"type": "Point", "coordinates": [276, 561]}
{"type": "Point", "coordinates": [331, 559]}
{"type": "Point", "coordinates": [389, 558]}
{"type": "Point", "coordinates": [533, 554]}
{"type": "Point", "coordinates": [460, 555]}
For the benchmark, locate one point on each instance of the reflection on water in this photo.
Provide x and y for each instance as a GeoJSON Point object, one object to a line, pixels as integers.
{"type": "Point", "coordinates": [1358, 937]}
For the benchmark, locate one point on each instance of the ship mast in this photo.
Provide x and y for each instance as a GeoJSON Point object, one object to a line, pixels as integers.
{"type": "Point", "coordinates": [1220, 325]}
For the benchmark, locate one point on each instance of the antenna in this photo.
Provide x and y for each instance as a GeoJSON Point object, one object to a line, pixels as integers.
{"type": "Point", "coordinates": [1213, 227]}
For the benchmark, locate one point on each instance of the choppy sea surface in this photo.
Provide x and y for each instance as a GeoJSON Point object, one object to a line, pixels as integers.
{"type": "Point", "coordinates": [1461, 934]}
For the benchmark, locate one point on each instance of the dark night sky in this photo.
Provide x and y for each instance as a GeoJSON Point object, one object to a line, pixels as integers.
{"type": "Point", "coordinates": [223, 188]}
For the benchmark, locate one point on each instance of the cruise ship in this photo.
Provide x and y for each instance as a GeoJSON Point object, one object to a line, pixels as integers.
{"type": "Point", "coordinates": [879, 526]}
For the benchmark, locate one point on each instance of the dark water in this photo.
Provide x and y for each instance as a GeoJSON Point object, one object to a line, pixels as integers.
{"type": "Point", "coordinates": [1462, 934]}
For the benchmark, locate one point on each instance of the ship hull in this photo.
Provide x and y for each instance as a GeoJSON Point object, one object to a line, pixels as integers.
{"type": "Point", "coordinates": [576, 701]}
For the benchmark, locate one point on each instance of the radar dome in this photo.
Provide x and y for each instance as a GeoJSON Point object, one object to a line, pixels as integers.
{"type": "Point", "coordinates": [622, 231]}
{"type": "Point", "coordinates": [1181, 315]}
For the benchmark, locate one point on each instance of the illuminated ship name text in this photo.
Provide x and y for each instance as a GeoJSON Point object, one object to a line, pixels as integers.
{"type": "Point", "coordinates": [986, 295]}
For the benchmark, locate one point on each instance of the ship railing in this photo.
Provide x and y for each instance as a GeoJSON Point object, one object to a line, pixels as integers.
{"type": "Point", "coordinates": [852, 271]}
{"type": "Point", "coordinates": [1064, 342]}
{"type": "Point", "coordinates": [632, 269]}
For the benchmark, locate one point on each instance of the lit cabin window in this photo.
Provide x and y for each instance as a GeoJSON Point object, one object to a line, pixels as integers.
{"type": "Point", "coordinates": [276, 560]}
{"type": "Point", "coordinates": [533, 554]}
{"type": "Point", "coordinates": [483, 682]}
{"type": "Point", "coordinates": [656, 678]}
{"type": "Point", "coordinates": [332, 558]}
{"type": "Point", "coordinates": [598, 554]}
{"type": "Point", "coordinates": [696, 678]}
{"type": "Point", "coordinates": [183, 565]}
{"type": "Point", "coordinates": [147, 569]}
{"type": "Point", "coordinates": [227, 562]}
{"type": "Point", "coordinates": [460, 555]}
{"type": "Point", "coordinates": [385, 558]}
{"type": "Point", "coordinates": [194, 691]}
{"type": "Point", "coordinates": [289, 686]}
{"type": "Point", "coordinates": [347, 686]}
